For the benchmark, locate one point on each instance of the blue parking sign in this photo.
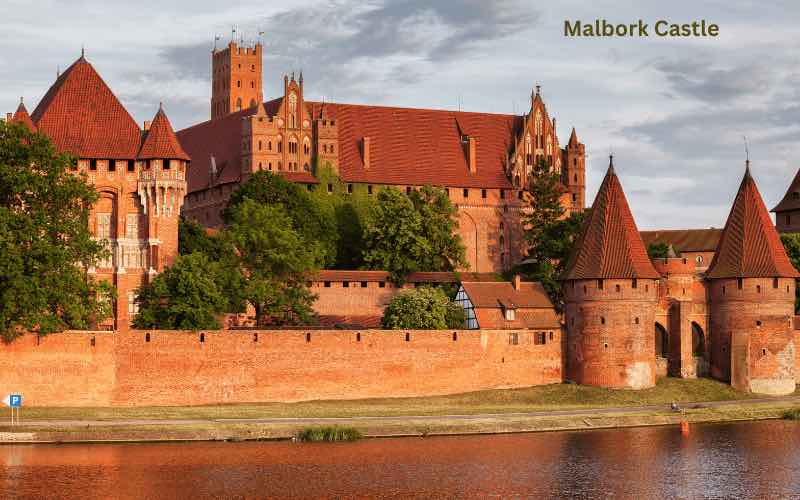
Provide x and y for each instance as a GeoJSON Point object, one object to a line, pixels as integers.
{"type": "Point", "coordinates": [15, 400]}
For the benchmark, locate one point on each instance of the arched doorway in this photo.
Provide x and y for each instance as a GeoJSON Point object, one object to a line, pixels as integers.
{"type": "Point", "coordinates": [698, 340]}
{"type": "Point", "coordinates": [662, 341]}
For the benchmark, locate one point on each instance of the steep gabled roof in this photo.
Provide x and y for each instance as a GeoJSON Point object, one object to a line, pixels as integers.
{"type": "Point", "coordinates": [610, 246]}
{"type": "Point", "coordinates": [22, 116]}
{"type": "Point", "coordinates": [684, 240]}
{"type": "Point", "coordinates": [791, 200]}
{"type": "Point", "coordinates": [494, 295]}
{"type": "Point", "coordinates": [81, 115]}
{"type": "Point", "coordinates": [160, 140]}
{"type": "Point", "coordinates": [573, 139]}
{"type": "Point", "coordinates": [750, 246]}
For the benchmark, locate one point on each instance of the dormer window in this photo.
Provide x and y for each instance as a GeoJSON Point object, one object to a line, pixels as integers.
{"type": "Point", "coordinates": [510, 315]}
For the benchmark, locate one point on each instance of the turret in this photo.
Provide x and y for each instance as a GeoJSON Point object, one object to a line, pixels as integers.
{"type": "Point", "coordinates": [574, 172]}
{"type": "Point", "coordinates": [22, 116]}
{"type": "Point", "coordinates": [752, 293]}
{"type": "Point", "coordinates": [610, 291]}
{"type": "Point", "coordinates": [235, 79]}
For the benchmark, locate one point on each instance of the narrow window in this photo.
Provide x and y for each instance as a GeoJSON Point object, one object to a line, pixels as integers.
{"type": "Point", "coordinates": [763, 352]}
{"type": "Point", "coordinates": [369, 188]}
{"type": "Point", "coordinates": [165, 164]}
{"type": "Point", "coordinates": [202, 337]}
{"type": "Point", "coordinates": [502, 194]}
{"type": "Point", "coordinates": [112, 165]}
{"type": "Point", "coordinates": [774, 282]}
{"type": "Point", "coordinates": [255, 337]}
{"type": "Point", "coordinates": [739, 283]}
{"type": "Point", "coordinates": [92, 342]}
{"type": "Point", "coordinates": [634, 283]}
{"type": "Point", "coordinates": [636, 320]}
{"type": "Point", "coordinates": [408, 189]}
{"type": "Point", "coordinates": [363, 284]}
{"type": "Point", "coordinates": [519, 195]}
{"type": "Point", "coordinates": [345, 284]}
{"type": "Point", "coordinates": [92, 164]}
{"type": "Point", "coordinates": [483, 193]}
{"type": "Point", "coordinates": [327, 284]}
{"type": "Point", "coordinates": [308, 337]}
{"type": "Point", "coordinates": [455, 336]}
{"type": "Point", "coordinates": [758, 288]}
{"type": "Point", "coordinates": [600, 284]}
{"type": "Point", "coordinates": [605, 345]}
{"type": "Point", "coordinates": [147, 337]}
{"type": "Point", "coordinates": [358, 336]}
{"type": "Point", "coordinates": [330, 188]}
{"type": "Point", "coordinates": [602, 320]}
{"type": "Point", "coordinates": [381, 284]}
{"type": "Point", "coordinates": [758, 323]}
{"type": "Point", "coordinates": [551, 335]}
{"type": "Point", "coordinates": [408, 337]}
{"type": "Point", "coordinates": [349, 189]}
{"type": "Point", "coordinates": [466, 193]}
{"type": "Point", "coordinates": [618, 288]}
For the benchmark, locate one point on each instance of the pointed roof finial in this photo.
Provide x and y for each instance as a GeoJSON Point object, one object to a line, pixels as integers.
{"type": "Point", "coordinates": [301, 76]}
{"type": "Point", "coordinates": [58, 72]}
{"type": "Point", "coordinates": [292, 75]}
{"type": "Point", "coordinates": [538, 88]}
{"type": "Point", "coordinates": [747, 156]}
{"type": "Point", "coordinates": [83, 51]}
{"type": "Point", "coordinates": [21, 100]}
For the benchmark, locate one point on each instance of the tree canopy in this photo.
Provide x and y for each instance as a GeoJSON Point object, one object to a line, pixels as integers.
{"type": "Point", "coordinates": [549, 232]}
{"type": "Point", "coordinates": [404, 234]}
{"type": "Point", "coordinates": [791, 243]}
{"type": "Point", "coordinates": [189, 295]}
{"type": "Point", "coordinates": [192, 237]}
{"type": "Point", "coordinates": [657, 250]}
{"type": "Point", "coordinates": [275, 262]}
{"type": "Point", "coordinates": [313, 221]}
{"type": "Point", "coordinates": [423, 308]}
{"type": "Point", "coordinates": [45, 243]}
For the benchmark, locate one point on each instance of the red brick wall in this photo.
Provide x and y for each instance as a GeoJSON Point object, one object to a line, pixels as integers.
{"type": "Point", "coordinates": [175, 368]}
{"type": "Point", "coordinates": [759, 316]}
{"type": "Point", "coordinates": [610, 336]}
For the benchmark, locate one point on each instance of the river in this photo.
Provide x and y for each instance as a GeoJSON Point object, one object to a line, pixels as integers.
{"type": "Point", "coordinates": [742, 460]}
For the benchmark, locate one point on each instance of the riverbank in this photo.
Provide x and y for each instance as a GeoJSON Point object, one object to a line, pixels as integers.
{"type": "Point", "coordinates": [548, 408]}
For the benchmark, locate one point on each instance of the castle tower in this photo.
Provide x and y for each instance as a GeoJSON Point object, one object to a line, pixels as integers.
{"type": "Point", "coordinates": [787, 212]}
{"type": "Point", "coordinates": [574, 172]}
{"type": "Point", "coordinates": [610, 290]}
{"type": "Point", "coordinates": [162, 188]}
{"type": "Point", "coordinates": [752, 300]}
{"type": "Point", "coordinates": [676, 344]}
{"type": "Point", "coordinates": [21, 116]}
{"type": "Point", "coordinates": [235, 79]}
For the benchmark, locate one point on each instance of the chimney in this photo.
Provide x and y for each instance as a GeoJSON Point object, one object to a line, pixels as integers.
{"type": "Point", "coordinates": [517, 282]}
{"type": "Point", "coordinates": [473, 161]}
{"type": "Point", "coordinates": [365, 145]}
{"type": "Point", "coordinates": [9, 116]}
{"type": "Point", "coordinates": [146, 125]}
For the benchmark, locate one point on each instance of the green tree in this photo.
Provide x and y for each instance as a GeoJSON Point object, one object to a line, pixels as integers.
{"type": "Point", "coordinates": [440, 229]}
{"type": "Point", "coordinates": [791, 243]}
{"type": "Point", "coordinates": [274, 261]}
{"type": "Point", "coordinates": [189, 295]}
{"type": "Point", "coordinates": [46, 249]}
{"type": "Point", "coordinates": [549, 233]}
{"type": "Point", "coordinates": [404, 234]}
{"type": "Point", "coordinates": [313, 221]}
{"type": "Point", "coordinates": [192, 237]}
{"type": "Point", "coordinates": [423, 308]}
{"type": "Point", "coordinates": [657, 250]}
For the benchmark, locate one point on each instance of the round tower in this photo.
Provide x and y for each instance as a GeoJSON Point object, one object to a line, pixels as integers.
{"type": "Point", "coordinates": [610, 291]}
{"type": "Point", "coordinates": [752, 293]}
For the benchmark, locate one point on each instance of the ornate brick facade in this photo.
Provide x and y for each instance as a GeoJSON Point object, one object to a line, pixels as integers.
{"type": "Point", "coordinates": [483, 159]}
{"type": "Point", "coordinates": [140, 176]}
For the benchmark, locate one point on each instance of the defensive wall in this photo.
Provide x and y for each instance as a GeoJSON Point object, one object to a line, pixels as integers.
{"type": "Point", "coordinates": [139, 368]}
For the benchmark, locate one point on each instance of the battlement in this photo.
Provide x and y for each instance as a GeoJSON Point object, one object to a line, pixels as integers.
{"type": "Point", "coordinates": [676, 265]}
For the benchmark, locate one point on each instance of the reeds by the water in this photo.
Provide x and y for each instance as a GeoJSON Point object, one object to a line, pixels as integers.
{"type": "Point", "coordinates": [328, 434]}
{"type": "Point", "coordinates": [792, 415]}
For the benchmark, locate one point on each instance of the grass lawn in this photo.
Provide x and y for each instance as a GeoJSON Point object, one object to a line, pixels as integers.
{"type": "Point", "coordinates": [551, 397]}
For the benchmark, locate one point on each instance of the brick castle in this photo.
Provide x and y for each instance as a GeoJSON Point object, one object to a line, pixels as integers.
{"type": "Point", "coordinates": [627, 320]}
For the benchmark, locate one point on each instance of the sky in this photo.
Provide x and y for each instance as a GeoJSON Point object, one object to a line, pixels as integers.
{"type": "Point", "coordinates": [672, 110]}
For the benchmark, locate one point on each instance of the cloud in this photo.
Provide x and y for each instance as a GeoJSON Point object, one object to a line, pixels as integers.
{"type": "Point", "coordinates": [700, 79]}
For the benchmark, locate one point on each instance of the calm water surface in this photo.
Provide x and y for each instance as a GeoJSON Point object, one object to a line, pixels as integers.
{"type": "Point", "coordinates": [749, 460]}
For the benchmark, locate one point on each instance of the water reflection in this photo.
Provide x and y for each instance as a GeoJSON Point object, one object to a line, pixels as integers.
{"type": "Point", "coordinates": [750, 460]}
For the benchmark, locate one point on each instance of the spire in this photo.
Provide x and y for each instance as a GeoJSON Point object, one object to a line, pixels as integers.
{"type": "Point", "coordinates": [749, 246]}
{"type": "Point", "coordinates": [22, 116]}
{"type": "Point", "coordinates": [611, 163]}
{"type": "Point", "coordinates": [610, 245]}
{"type": "Point", "coordinates": [160, 141]}
{"type": "Point", "coordinates": [83, 53]}
{"type": "Point", "coordinates": [573, 139]}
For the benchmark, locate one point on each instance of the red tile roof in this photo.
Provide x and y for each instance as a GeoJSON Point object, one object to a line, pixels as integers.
{"type": "Point", "coordinates": [356, 321]}
{"type": "Point", "coordinates": [495, 295]}
{"type": "Point", "coordinates": [407, 146]}
{"type": "Point", "coordinates": [573, 139]}
{"type": "Point", "coordinates": [791, 200]}
{"type": "Point", "coordinates": [610, 246]}
{"type": "Point", "coordinates": [22, 116]}
{"type": "Point", "coordinates": [684, 240]}
{"type": "Point", "coordinates": [81, 115]}
{"type": "Point", "coordinates": [750, 246]}
{"type": "Point", "coordinates": [160, 140]}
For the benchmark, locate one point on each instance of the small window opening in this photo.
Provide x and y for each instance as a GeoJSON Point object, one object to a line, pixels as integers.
{"type": "Point", "coordinates": [408, 189]}
{"type": "Point", "coordinates": [758, 288]}
{"type": "Point", "coordinates": [602, 320]}
{"type": "Point", "coordinates": [599, 284]}
{"type": "Point", "coordinates": [483, 193]}
{"type": "Point", "coordinates": [466, 193]}
{"type": "Point", "coordinates": [605, 345]}
{"type": "Point", "coordinates": [255, 337]}
{"type": "Point", "coordinates": [758, 323]}
{"type": "Point", "coordinates": [349, 189]}
{"type": "Point", "coordinates": [92, 164]}
{"type": "Point", "coordinates": [408, 337]}
{"type": "Point", "coordinates": [330, 188]}
{"type": "Point", "coordinates": [327, 284]}
{"type": "Point", "coordinates": [345, 284]}
{"type": "Point", "coordinates": [381, 284]}
{"type": "Point", "coordinates": [308, 337]}
{"type": "Point", "coordinates": [739, 283]}
{"type": "Point", "coordinates": [551, 335]}
{"type": "Point", "coordinates": [775, 283]}
{"type": "Point", "coordinates": [634, 283]}
{"type": "Point", "coordinates": [369, 188]}
{"type": "Point", "coordinates": [455, 336]}
{"type": "Point", "coordinates": [502, 194]}
{"type": "Point", "coordinates": [112, 165]}
{"type": "Point", "coordinates": [358, 336]}
{"type": "Point", "coordinates": [363, 284]}
{"type": "Point", "coordinates": [636, 320]}
{"type": "Point", "coordinates": [202, 337]}
{"type": "Point", "coordinates": [147, 337]}
{"type": "Point", "coordinates": [618, 288]}
{"type": "Point", "coordinates": [92, 342]}
{"type": "Point", "coordinates": [763, 352]}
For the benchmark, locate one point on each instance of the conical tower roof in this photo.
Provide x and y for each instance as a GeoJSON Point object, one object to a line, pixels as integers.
{"type": "Point", "coordinates": [610, 245]}
{"type": "Point", "coordinates": [573, 139]}
{"type": "Point", "coordinates": [791, 200]}
{"type": "Point", "coordinates": [749, 246]}
{"type": "Point", "coordinates": [22, 116]}
{"type": "Point", "coordinates": [82, 116]}
{"type": "Point", "coordinates": [160, 141]}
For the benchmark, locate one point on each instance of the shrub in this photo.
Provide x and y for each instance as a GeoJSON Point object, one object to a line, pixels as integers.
{"type": "Point", "coordinates": [329, 434]}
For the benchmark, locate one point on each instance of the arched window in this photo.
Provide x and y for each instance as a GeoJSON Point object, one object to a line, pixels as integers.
{"type": "Point", "coordinates": [661, 341]}
{"type": "Point", "coordinates": [698, 340]}
{"type": "Point", "coordinates": [239, 104]}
